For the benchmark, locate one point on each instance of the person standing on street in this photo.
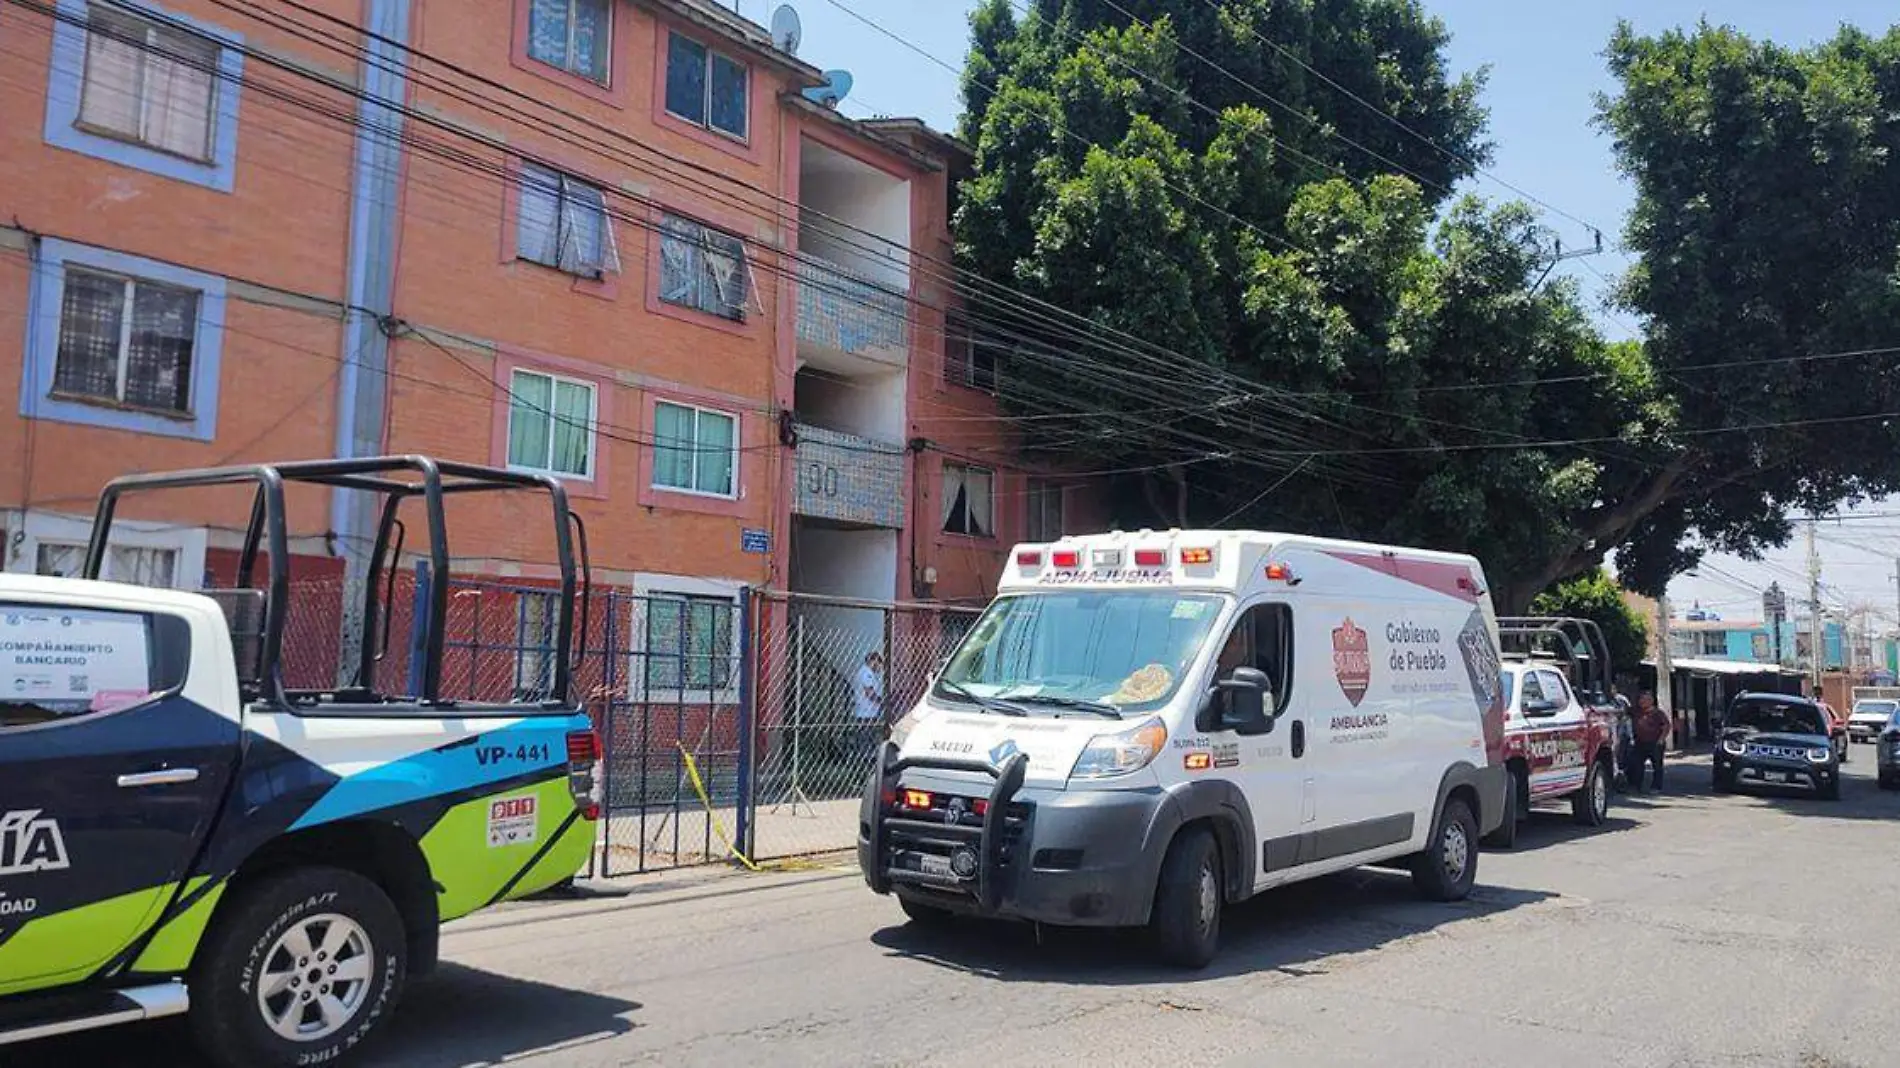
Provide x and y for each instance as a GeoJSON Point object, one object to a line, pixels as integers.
{"type": "Point", "coordinates": [1651, 730]}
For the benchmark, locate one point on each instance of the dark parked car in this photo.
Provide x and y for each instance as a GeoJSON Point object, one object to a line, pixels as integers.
{"type": "Point", "coordinates": [1777, 740]}
{"type": "Point", "coordinates": [1887, 753]}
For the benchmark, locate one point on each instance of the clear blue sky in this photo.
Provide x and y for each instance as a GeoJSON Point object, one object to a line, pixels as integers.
{"type": "Point", "coordinates": [1546, 66]}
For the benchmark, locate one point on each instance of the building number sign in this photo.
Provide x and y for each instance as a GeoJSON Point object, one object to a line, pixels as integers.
{"type": "Point", "coordinates": [821, 479]}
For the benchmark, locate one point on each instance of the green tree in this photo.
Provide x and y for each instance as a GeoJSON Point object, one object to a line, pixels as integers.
{"type": "Point", "coordinates": [1595, 596]}
{"type": "Point", "coordinates": [1768, 225]}
{"type": "Point", "coordinates": [1278, 332]}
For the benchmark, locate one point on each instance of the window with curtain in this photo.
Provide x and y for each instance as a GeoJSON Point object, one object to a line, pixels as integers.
{"type": "Point", "coordinates": [968, 507]}
{"type": "Point", "coordinates": [563, 223]}
{"type": "Point", "coordinates": [689, 643]}
{"type": "Point", "coordinates": [702, 268]}
{"type": "Point", "coordinates": [149, 83]}
{"type": "Point", "coordinates": [705, 87]}
{"type": "Point", "coordinates": [551, 423]}
{"type": "Point", "coordinates": [125, 341]}
{"type": "Point", "coordinates": [695, 450]}
{"type": "Point", "coordinates": [572, 35]}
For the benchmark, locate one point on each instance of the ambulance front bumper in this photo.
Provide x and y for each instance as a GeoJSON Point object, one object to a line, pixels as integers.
{"type": "Point", "coordinates": [1068, 857]}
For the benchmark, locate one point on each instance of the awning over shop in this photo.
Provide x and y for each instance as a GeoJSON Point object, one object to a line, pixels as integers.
{"type": "Point", "coordinates": [1725, 667]}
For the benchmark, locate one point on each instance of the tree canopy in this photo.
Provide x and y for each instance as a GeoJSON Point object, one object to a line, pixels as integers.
{"type": "Point", "coordinates": [1231, 266]}
{"type": "Point", "coordinates": [1595, 596]}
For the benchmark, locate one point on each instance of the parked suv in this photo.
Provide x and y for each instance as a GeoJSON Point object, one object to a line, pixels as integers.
{"type": "Point", "coordinates": [1870, 716]}
{"type": "Point", "coordinates": [1777, 740]}
{"type": "Point", "coordinates": [1887, 753]}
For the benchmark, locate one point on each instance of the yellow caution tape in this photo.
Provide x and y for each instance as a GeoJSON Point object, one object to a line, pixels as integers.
{"type": "Point", "coordinates": [699, 787]}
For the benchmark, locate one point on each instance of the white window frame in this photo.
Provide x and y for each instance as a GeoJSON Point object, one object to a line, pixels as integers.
{"type": "Point", "coordinates": [26, 534]}
{"type": "Point", "coordinates": [153, 47]}
{"type": "Point", "coordinates": [670, 226]}
{"type": "Point", "coordinates": [1040, 490]}
{"type": "Point", "coordinates": [124, 352]}
{"type": "Point", "coordinates": [707, 102]}
{"type": "Point", "coordinates": [698, 410]}
{"type": "Point", "coordinates": [567, 215]}
{"type": "Point", "coordinates": [605, 80]}
{"type": "Point", "coordinates": [593, 425]}
{"type": "Point", "coordinates": [648, 586]}
{"type": "Point", "coordinates": [944, 487]}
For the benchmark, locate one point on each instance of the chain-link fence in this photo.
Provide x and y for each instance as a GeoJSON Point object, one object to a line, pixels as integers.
{"type": "Point", "coordinates": [832, 675]}
{"type": "Point", "coordinates": [672, 683]}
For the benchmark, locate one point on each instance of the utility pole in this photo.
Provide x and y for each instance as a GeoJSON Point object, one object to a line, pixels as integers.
{"type": "Point", "coordinates": [1665, 668]}
{"type": "Point", "coordinates": [1774, 605]}
{"type": "Point", "coordinates": [1816, 647]}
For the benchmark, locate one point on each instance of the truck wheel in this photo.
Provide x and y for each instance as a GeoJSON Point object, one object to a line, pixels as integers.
{"type": "Point", "coordinates": [297, 970]}
{"type": "Point", "coordinates": [1448, 867]}
{"type": "Point", "coordinates": [1723, 783]}
{"type": "Point", "coordinates": [1505, 837]}
{"type": "Point", "coordinates": [1186, 921]}
{"type": "Point", "coordinates": [1888, 782]}
{"type": "Point", "coordinates": [1832, 791]}
{"type": "Point", "coordinates": [1590, 806]}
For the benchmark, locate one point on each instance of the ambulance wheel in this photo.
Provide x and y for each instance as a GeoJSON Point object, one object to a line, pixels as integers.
{"type": "Point", "coordinates": [1448, 867]}
{"type": "Point", "coordinates": [299, 968]}
{"type": "Point", "coordinates": [925, 915]}
{"type": "Point", "coordinates": [1185, 924]}
{"type": "Point", "coordinates": [1505, 837]}
{"type": "Point", "coordinates": [1590, 806]}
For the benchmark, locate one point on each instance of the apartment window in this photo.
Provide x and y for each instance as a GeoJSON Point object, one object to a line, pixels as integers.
{"type": "Point", "coordinates": [573, 35]}
{"type": "Point", "coordinates": [126, 341]}
{"type": "Point", "coordinates": [702, 268]}
{"type": "Point", "coordinates": [969, 360]}
{"type": "Point", "coordinates": [1045, 511]}
{"type": "Point", "coordinates": [129, 564]}
{"type": "Point", "coordinates": [149, 84]}
{"type": "Point", "coordinates": [695, 450]}
{"type": "Point", "coordinates": [704, 87]}
{"type": "Point", "coordinates": [563, 223]}
{"type": "Point", "coordinates": [689, 643]}
{"type": "Point", "coordinates": [1713, 643]}
{"type": "Point", "coordinates": [968, 504]}
{"type": "Point", "coordinates": [551, 424]}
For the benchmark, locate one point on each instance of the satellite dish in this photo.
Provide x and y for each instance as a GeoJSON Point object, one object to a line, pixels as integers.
{"type": "Point", "coordinates": [837, 86]}
{"type": "Point", "coordinates": [787, 31]}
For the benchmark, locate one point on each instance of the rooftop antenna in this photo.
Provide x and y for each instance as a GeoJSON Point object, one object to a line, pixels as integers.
{"type": "Point", "coordinates": [787, 31]}
{"type": "Point", "coordinates": [837, 86]}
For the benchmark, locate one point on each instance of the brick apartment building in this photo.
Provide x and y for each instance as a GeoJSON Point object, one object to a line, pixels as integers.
{"type": "Point", "coordinates": [611, 240]}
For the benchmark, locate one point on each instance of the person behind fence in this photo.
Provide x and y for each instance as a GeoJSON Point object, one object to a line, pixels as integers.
{"type": "Point", "coordinates": [867, 704]}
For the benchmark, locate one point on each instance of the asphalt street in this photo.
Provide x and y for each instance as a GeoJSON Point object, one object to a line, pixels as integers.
{"type": "Point", "coordinates": [1692, 930]}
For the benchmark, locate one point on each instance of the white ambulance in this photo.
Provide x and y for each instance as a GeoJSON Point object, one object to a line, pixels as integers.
{"type": "Point", "coordinates": [1143, 728]}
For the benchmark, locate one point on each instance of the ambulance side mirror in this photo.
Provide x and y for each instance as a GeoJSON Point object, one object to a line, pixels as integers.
{"type": "Point", "coordinates": [1248, 694]}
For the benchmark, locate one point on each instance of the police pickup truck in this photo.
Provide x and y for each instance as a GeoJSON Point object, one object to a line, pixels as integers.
{"type": "Point", "coordinates": [182, 833]}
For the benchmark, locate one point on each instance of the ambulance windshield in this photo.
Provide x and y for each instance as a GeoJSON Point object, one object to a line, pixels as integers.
{"type": "Point", "coordinates": [1129, 649]}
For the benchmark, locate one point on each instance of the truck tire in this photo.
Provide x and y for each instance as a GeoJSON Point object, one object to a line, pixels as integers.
{"type": "Point", "coordinates": [1185, 925]}
{"type": "Point", "coordinates": [1590, 806]}
{"type": "Point", "coordinates": [1448, 867]}
{"type": "Point", "coordinates": [925, 915]}
{"type": "Point", "coordinates": [1505, 837]}
{"type": "Point", "coordinates": [298, 969]}
{"type": "Point", "coordinates": [1832, 791]}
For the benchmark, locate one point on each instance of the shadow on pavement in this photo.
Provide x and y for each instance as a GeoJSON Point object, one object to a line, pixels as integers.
{"type": "Point", "coordinates": [457, 1017]}
{"type": "Point", "coordinates": [1861, 796]}
{"type": "Point", "coordinates": [1293, 930]}
{"type": "Point", "coordinates": [1551, 828]}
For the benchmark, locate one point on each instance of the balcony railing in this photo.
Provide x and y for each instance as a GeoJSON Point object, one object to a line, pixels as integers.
{"type": "Point", "coordinates": [849, 478]}
{"type": "Point", "coordinates": [839, 310]}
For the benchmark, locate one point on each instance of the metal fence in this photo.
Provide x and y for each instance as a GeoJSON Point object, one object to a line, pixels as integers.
{"type": "Point", "coordinates": [774, 701]}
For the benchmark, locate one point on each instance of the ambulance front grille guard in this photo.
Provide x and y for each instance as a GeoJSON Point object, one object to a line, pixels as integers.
{"type": "Point", "coordinates": [1003, 825]}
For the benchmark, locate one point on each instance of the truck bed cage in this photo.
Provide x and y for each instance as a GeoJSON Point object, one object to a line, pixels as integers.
{"type": "Point", "coordinates": [1579, 642]}
{"type": "Point", "coordinates": [394, 479]}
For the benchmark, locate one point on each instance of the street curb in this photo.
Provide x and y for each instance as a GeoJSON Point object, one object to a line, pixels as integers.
{"type": "Point", "coordinates": [532, 912]}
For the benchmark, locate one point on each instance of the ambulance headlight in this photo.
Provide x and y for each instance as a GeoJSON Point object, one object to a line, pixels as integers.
{"type": "Point", "coordinates": [900, 731]}
{"type": "Point", "coordinates": [1109, 755]}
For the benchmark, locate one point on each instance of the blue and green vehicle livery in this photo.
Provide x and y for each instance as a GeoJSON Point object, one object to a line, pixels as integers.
{"type": "Point", "coordinates": [171, 843]}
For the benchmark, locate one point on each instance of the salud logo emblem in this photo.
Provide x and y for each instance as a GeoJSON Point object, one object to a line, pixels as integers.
{"type": "Point", "coordinates": [1352, 661]}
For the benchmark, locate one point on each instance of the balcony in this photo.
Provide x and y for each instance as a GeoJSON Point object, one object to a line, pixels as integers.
{"type": "Point", "coordinates": [841, 314]}
{"type": "Point", "coordinates": [849, 479]}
